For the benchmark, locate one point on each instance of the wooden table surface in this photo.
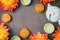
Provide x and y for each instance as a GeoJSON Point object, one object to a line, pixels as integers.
{"type": "Point", "coordinates": [27, 17]}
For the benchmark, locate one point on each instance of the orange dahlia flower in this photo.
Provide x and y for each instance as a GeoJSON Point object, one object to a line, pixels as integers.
{"type": "Point", "coordinates": [8, 4]}
{"type": "Point", "coordinates": [39, 36]}
{"type": "Point", "coordinates": [46, 1]}
{"type": "Point", "coordinates": [4, 32]}
{"type": "Point", "coordinates": [56, 35]}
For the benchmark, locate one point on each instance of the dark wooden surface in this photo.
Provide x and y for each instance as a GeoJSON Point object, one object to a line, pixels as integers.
{"type": "Point", "coordinates": [27, 17]}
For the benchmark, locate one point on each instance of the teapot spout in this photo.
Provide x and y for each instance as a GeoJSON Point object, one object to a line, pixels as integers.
{"type": "Point", "coordinates": [48, 5]}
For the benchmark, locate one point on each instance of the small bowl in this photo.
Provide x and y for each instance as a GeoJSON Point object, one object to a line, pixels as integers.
{"type": "Point", "coordinates": [49, 28]}
{"type": "Point", "coordinates": [15, 38]}
{"type": "Point", "coordinates": [25, 2]}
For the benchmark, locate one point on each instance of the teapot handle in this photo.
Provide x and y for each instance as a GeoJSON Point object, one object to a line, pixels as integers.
{"type": "Point", "coordinates": [59, 21]}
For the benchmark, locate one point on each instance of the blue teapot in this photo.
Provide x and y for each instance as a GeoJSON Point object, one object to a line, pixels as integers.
{"type": "Point", "coordinates": [53, 13]}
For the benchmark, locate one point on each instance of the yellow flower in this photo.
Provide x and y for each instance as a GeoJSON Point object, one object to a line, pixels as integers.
{"type": "Point", "coordinates": [4, 32]}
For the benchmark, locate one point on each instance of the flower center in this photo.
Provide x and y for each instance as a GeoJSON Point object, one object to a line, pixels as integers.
{"type": "Point", "coordinates": [6, 2]}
